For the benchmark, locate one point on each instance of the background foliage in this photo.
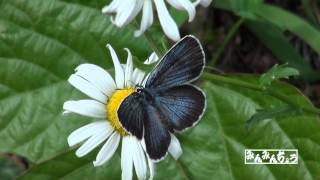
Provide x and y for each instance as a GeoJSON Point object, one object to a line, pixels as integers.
{"type": "Point", "coordinates": [41, 42]}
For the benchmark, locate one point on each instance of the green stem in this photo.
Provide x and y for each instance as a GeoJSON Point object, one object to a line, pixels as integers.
{"type": "Point", "coordinates": [226, 41]}
{"type": "Point", "coordinates": [153, 43]}
{"type": "Point", "coordinates": [227, 80]}
{"type": "Point", "coordinates": [147, 34]}
{"type": "Point", "coordinates": [283, 98]}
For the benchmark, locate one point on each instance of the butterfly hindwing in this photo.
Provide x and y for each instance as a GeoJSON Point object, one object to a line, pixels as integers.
{"type": "Point", "coordinates": [182, 64]}
{"type": "Point", "coordinates": [183, 105]}
{"type": "Point", "coordinates": [142, 118]}
{"type": "Point", "coordinates": [156, 134]}
{"type": "Point", "coordinates": [131, 114]}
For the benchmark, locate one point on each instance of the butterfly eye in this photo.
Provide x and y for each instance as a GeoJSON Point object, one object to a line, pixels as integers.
{"type": "Point", "coordinates": [139, 90]}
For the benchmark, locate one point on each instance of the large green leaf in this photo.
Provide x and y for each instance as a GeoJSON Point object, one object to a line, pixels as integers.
{"type": "Point", "coordinates": [41, 42]}
{"type": "Point", "coordinates": [68, 166]}
{"type": "Point", "coordinates": [309, 8]}
{"type": "Point", "coordinates": [244, 7]}
{"type": "Point", "coordinates": [215, 148]}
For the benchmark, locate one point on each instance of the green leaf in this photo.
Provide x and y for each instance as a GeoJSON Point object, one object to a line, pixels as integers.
{"type": "Point", "coordinates": [144, 67]}
{"type": "Point", "coordinates": [214, 149]}
{"type": "Point", "coordinates": [273, 38]}
{"type": "Point", "coordinates": [41, 43]}
{"type": "Point", "coordinates": [10, 166]}
{"type": "Point", "coordinates": [288, 21]}
{"type": "Point", "coordinates": [264, 114]}
{"type": "Point", "coordinates": [96, 4]}
{"type": "Point", "coordinates": [309, 9]}
{"type": "Point", "coordinates": [277, 72]}
{"type": "Point", "coordinates": [68, 166]}
{"type": "Point", "coordinates": [269, 23]}
{"type": "Point", "coordinates": [283, 19]}
{"type": "Point", "coordinates": [244, 7]}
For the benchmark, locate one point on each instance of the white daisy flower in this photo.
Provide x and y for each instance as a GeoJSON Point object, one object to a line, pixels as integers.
{"type": "Point", "coordinates": [204, 3]}
{"type": "Point", "coordinates": [106, 96]}
{"type": "Point", "coordinates": [126, 10]}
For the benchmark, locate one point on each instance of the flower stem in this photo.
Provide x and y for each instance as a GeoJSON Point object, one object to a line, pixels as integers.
{"type": "Point", "coordinates": [226, 41]}
{"type": "Point", "coordinates": [153, 43]}
{"type": "Point", "coordinates": [148, 35]}
{"type": "Point", "coordinates": [273, 93]}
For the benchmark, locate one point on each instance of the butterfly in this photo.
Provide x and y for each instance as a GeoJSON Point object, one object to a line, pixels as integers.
{"type": "Point", "coordinates": [167, 103]}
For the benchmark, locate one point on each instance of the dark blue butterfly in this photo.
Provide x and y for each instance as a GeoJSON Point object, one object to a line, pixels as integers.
{"type": "Point", "coordinates": [168, 102]}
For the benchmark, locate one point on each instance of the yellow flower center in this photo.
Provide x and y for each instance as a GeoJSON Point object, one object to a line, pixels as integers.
{"type": "Point", "coordinates": [113, 105]}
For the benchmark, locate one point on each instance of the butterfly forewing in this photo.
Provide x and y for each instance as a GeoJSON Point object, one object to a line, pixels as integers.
{"type": "Point", "coordinates": [131, 114]}
{"type": "Point", "coordinates": [182, 64]}
{"type": "Point", "coordinates": [183, 106]}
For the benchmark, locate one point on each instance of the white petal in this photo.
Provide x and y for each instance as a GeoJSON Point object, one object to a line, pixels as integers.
{"type": "Point", "coordinates": [126, 158]}
{"type": "Point", "coordinates": [184, 5]}
{"type": "Point", "coordinates": [87, 88]}
{"type": "Point", "coordinates": [98, 77]}
{"type": "Point", "coordinates": [127, 12]}
{"type": "Point", "coordinates": [137, 76]}
{"type": "Point", "coordinates": [66, 112]}
{"type": "Point", "coordinates": [152, 59]}
{"type": "Point", "coordinates": [150, 162]}
{"type": "Point", "coordinates": [168, 25]}
{"type": "Point", "coordinates": [151, 168]}
{"type": "Point", "coordinates": [175, 3]}
{"type": "Point", "coordinates": [94, 141]}
{"type": "Point", "coordinates": [86, 131]}
{"type": "Point", "coordinates": [128, 69]}
{"type": "Point", "coordinates": [140, 77]}
{"type": "Point", "coordinates": [89, 108]}
{"type": "Point", "coordinates": [175, 148]}
{"type": "Point", "coordinates": [119, 73]}
{"type": "Point", "coordinates": [205, 3]}
{"type": "Point", "coordinates": [123, 13]}
{"type": "Point", "coordinates": [143, 144]}
{"type": "Point", "coordinates": [112, 7]}
{"type": "Point", "coordinates": [107, 150]}
{"type": "Point", "coordinates": [145, 80]}
{"type": "Point", "coordinates": [147, 18]}
{"type": "Point", "coordinates": [139, 159]}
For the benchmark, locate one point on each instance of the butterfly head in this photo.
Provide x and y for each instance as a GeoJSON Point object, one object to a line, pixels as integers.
{"type": "Point", "coordinates": [139, 88]}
